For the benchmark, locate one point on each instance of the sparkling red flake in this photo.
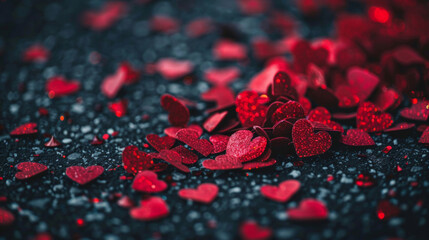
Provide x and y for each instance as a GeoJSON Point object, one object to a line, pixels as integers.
{"type": "Point", "coordinates": [418, 111]}
{"type": "Point", "coordinates": [58, 86]}
{"type": "Point", "coordinates": [52, 143]}
{"type": "Point", "coordinates": [222, 162]}
{"type": "Point", "coordinates": [222, 76]}
{"type": "Point", "coordinates": [147, 181]}
{"type": "Point", "coordinates": [24, 129]}
{"type": "Point", "coordinates": [283, 192]}
{"type": "Point", "coordinates": [398, 168]}
{"type": "Point", "coordinates": [172, 69]}
{"type": "Point", "coordinates": [172, 131]}
{"type": "Point", "coordinates": [288, 110]}
{"type": "Point", "coordinates": [160, 143]}
{"type": "Point", "coordinates": [386, 210]}
{"type": "Point", "coordinates": [251, 108]}
{"type": "Point", "coordinates": [29, 169]}
{"type": "Point", "coordinates": [425, 137]}
{"type": "Point", "coordinates": [96, 141]}
{"type": "Point", "coordinates": [119, 108]}
{"type": "Point", "coordinates": [243, 147]}
{"type": "Point", "coordinates": [250, 230]}
{"type": "Point", "coordinates": [151, 208]}
{"type": "Point", "coordinates": [364, 180]}
{"type": "Point", "coordinates": [135, 161]}
{"type": "Point", "coordinates": [214, 120]}
{"type": "Point", "coordinates": [228, 50]}
{"type": "Point", "coordinates": [371, 119]}
{"type": "Point", "coordinates": [80, 222]}
{"type": "Point", "coordinates": [204, 193]}
{"type": "Point", "coordinates": [106, 136]}
{"type": "Point", "coordinates": [83, 175]}
{"type": "Point", "coordinates": [188, 157]}
{"type": "Point", "coordinates": [6, 217]}
{"type": "Point", "coordinates": [105, 17]}
{"type": "Point", "coordinates": [357, 137]}
{"type": "Point", "coordinates": [174, 158]}
{"type": "Point", "coordinates": [178, 113]}
{"type": "Point", "coordinates": [164, 24]}
{"type": "Point", "coordinates": [306, 142]}
{"type": "Point", "coordinates": [330, 178]}
{"type": "Point", "coordinates": [131, 74]}
{"type": "Point", "coordinates": [309, 209]}
{"type": "Point", "coordinates": [36, 53]}
{"type": "Point", "coordinates": [282, 85]}
{"type": "Point", "coordinates": [387, 149]}
{"type": "Point", "coordinates": [219, 142]}
{"type": "Point", "coordinates": [191, 138]}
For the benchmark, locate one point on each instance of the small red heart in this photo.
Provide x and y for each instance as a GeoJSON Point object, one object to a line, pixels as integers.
{"type": "Point", "coordinates": [387, 99]}
{"type": "Point", "coordinates": [250, 108]}
{"type": "Point", "coordinates": [204, 193]}
{"type": "Point", "coordinates": [371, 119]}
{"type": "Point", "coordinates": [147, 181]}
{"type": "Point", "coordinates": [36, 53]}
{"type": "Point", "coordinates": [178, 113]}
{"type": "Point", "coordinates": [172, 131]}
{"type": "Point", "coordinates": [222, 76]}
{"type": "Point", "coordinates": [6, 217]}
{"type": "Point", "coordinates": [357, 137]}
{"type": "Point", "coordinates": [83, 175]}
{"type": "Point", "coordinates": [29, 169]}
{"type": "Point", "coordinates": [58, 86]}
{"type": "Point", "coordinates": [172, 69]}
{"type": "Point", "coordinates": [135, 161]}
{"type": "Point", "coordinates": [188, 157]}
{"type": "Point", "coordinates": [283, 192]}
{"type": "Point", "coordinates": [417, 112]}
{"type": "Point", "coordinates": [222, 95]}
{"type": "Point", "coordinates": [425, 137]}
{"type": "Point", "coordinates": [24, 129]}
{"type": "Point", "coordinates": [282, 86]}
{"type": "Point", "coordinates": [191, 138]}
{"type": "Point", "coordinates": [151, 208]}
{"type": "Point", "coordinates": [219, 142]}
{"type": "Point", "coordinates": [222, 162]}
{"type": "Point", "coordinates": [242, 147]}
{"type": "Point", "coordinates": [362, 82]}
{"type": "Point", "coordinates": [174, 159]}
{"type": "Point", "coordinates": [250, 230]}
{"type": "Point", "coordinates": [214, 120]}
{"type": "Point", "coordinates": [308, 209]}
{"type": "Point", "coordinates": [288, 110]}
{"type": "Point", "coordinates": [322, 115]}
{"type": "Point", "coordinates": [113, 83]}
{"type": "Point", "coordinates": [160, 143]}
{"type": "Point", "coordinates": [306, 142]}
{"type": "Point", "coordinates": [229, 50]}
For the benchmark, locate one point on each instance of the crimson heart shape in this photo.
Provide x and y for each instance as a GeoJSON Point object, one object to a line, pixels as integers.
{"type": "Point", "coordinates": [174, 159]}
{"type": "Point", "coordinates": [282, 85]}
{"type": "Point", "coordinates": [308, 209]}
{"type": "Point", "coordinates": [219, 142]}
{"type": "Point", "coordinates": [188, 157]}
{"type": "Point", "coordinates": [24, 129]}
{"type": "Point", "coordinates": [29, 169]}
{"type": "Point", "coordinates": [283, 192]}
{"type": "Point", "coordinates": [147, 181]}
{"type": "Point", "coordinates": [191, 138]}
{"type": "Point", "coordinates": [322, 115]}
{"type": "Point", "coordinates": [178, 113]}
{"type": "Point", "coordinates": [160, 143]}
{"type": "Point", "coordinates": [250, 108]}
{"type": "Point", "coordinates": [214, 120]}
{"type": "Point", "coordinates": [417, 112]}
{"type": "Point", "coordinates": [357, 137]}
{"type": "Point", "coordinates": [135, 161]}
{"type": "Point", "coordinates": [242, 147]}
{"type": "Point", "coordinates": [250, 230]}
{"type": "Point", "coordinates": [172, 69]}
{"type": "Point", "coordinates": [83, 175]}
{"type": "Point", "coordinates": [288, 110]}
{"type": "Point", "coordinates": [222, 76]}
{"type": "Point", "coordinates": [204, 193]}
{"type": "Point", "coordinates": [152, 208]}
{"type": "Point", "coordinates": [58, 86]}
{"type": "Point", "coordinates": [306, 142]}
{"type": "Point", "coordinates": [223, 96]}
{"type": "Point", "coordinates": [371, 119]}
{"type": "Point", "coordinates": [222, 162]}
{"type": "Point", "coordinates": [362, 82]}
{"type": "Point", "coordinates": [6, 217]}
{"type": "Point", "coordinates": [113, 83]}
{"type": "Point", "coordinates": [172, 131]}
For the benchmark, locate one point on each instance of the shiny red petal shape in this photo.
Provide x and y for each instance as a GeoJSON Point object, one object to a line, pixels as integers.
{"type": "Point", "coordinates": [219, 142]}
{"type": "Point", "coordinates": [83, 175]}
{"type": "Point", "coordinates": [24, 129]}
{"type": "Point", "coordinates": [306, 142]}
{"type": "Point", "coordinates": [119, 108]}
{"type": "Point", "coordinates": [147, 181]}
{"type": "Point", "coordinates": [283, 192]}
{"type": "Point", "coordinates": [178, 113]}
{"type": "Point", "coordinates": [29, 169]}
{"type": "Point", "coordinates": [152, 208]}
{"type": "Point", "coordinates": [160, 143]}
{"type": "Point", "coordinates": [135, 161]}
{"type": "Point", "coordinates": [58, 86]}
{"type": "Point", "coordinates": [204, 193]}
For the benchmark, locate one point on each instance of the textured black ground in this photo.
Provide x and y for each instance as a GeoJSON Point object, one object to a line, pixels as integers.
{"type": "Point", "coordinates": [52, 202]}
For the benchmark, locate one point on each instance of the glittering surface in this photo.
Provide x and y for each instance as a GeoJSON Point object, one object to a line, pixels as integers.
{"type": "Point", "coordinates": [357, 137]}
{"type": "Point", "coordinates": [307, 143]}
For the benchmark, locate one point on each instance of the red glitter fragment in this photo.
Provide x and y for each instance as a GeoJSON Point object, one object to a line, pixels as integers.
{"type": "Point", "coordinates": [283, 192]}
{"type": "Point", "coordinates": [172, 131]}
{"type": "Point", "coordinates": [83, 175]}
{"type": "Point", "coordinates": [126, 202]}
{"type": "Point", "coordinates": [306, 142]}
{"type": "Point", "coordinates": [379, 14]}
{"type": "Point", "coordinates": [160, 143]}
{"type": "Point", "coordinates": [387, 149]}
{"type": "Point", "coordinates": [102, 19]}
{"type": "Point", "coordinates": [178, 113]}
{"type": "Point", "coordinates": [371, 119]}
{"type": "Point", "coordinates": [425, 137]}
{"type": "Point", "coordinates": [214, 120]}
{"type": "Point", "coordinates": [96, 141]}
{"type": "Point", "coordinates": [24, 129]}
{"type": "Point", "coordinates": [250, 230]}
{"type": "Point", "coordinates": [418, 111]}
{"type": "Point", "coordinates": [151, 208]}
{"type": "Point", "coordinates": [80, 222]}
{"type": "Point", "coordinates": [58, 86]}
{"type": "Point", "coordinates": [174, 158]}
{"type": "Point", "coordinates": [29, 169]}
{"type": "Point", "coordinates": [204, 193]}
{"type": "Point", "coordinates": [364, 180]}
{"type": "Point", "coordinates": [191, 138]}
{"type": "Point", "coordinates": [119, 108]}
{"type": "Point", "coordinates": [135, 161]}
{"type": "Point", "coordinates": [309, 209]}
{"type": "Point", "coordinates": [188, 157]}
{"type": "Point", "coordinates": [330, 178]}
{"type": "Point", "coordinates": [147, 181]}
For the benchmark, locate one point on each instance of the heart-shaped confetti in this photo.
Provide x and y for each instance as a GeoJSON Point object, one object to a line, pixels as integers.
{"type": "Point", "coordinates": [204, 193]}
{"type": "Point", "coordinates": [362, 82]}
{"type": "Point", "coordinates": [417, 112]}
{"type": "Point", "coordinates": [222, 76]}
{"type": "Point", "coordinates": [228, 50]}
{"type": "Point", "coordinates": [25, 129]}
{"type": "Point", "coordinates": [250, 230]}
{"type": "Point", "coordinates": [135, 161]}
{"type": "Point", "coordinates": [174, 159]}
{"type": "Point", "coordinates": [308, 209]}
{"type": "Point", "coordinates": [83, 175]}
{"type": "Point", "coordinates": [358, 138]}
{"type": "Point", "coordinates": [322, 115]}
{"type": "Point", "coordinates": [283, 192]}
{"type": "Point", "coordinates": [371, 119]}
{"type": "Point", "coordinates": [222, 95]}
{"type": "Point", "coordinates": [425, 137]}
{"type": "Point", "coordinates": [242, 147]}
{"type": "Point", "coordinates": [160, 143]}
{"type": "Point", "coordinates": [152, 208]}
{"type": "Point", "coordinates": [188, 157]}
{"type": "Point", "coordinates": [214, 120]}
{"type": "Point", "coordinates": [288, 110]}
{"type": "Point", "coordinates": [147, 181]}
{"type": "Point", "coordinates": [282, 85]}
{"type": "Point", "coordinates": [113, 83]}
{"type": "Point", "coordinates": [178, 113]}
{"type": "Point", "coordinates": [6, 217]}
{"type": "Point", "coordinates": [191, 138]}
{"type": "Point", "coordinates": [219, 142]}
{"type": "Point", "coordinates": [251, 109]}
{"type": "Point", "coordinates": [257, 165]}
{"type": "Point", "coordinates": [36, 53]}
{"type": "Point", "coordinates": [222, 162]}
{"type": "Point", "coordinates": [306, 142]}
{"type": "Point", "coordinates": [58, 86]}
{"type": "Point", "coordinates": [172, 131]}
{"type": "Point", "coordinates": [29, 169]}
{"type": "Point", "coordinates": [172, 69]}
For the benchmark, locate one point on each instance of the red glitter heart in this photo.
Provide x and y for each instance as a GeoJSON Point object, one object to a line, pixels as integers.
{"type": "Point", "coordinates": [152, 208]}
{"type": "Point", "coordinates": [250, 108]}
{"type": "Point", "coordinates": [222, 76]}
{"type": "Point", "coordinates": [160, 143]}
{"type": "Point", "coordinates": [147, 181]}
{"type": "Point", "coordinates": [228, 50]}
{"type": "Point", "coordinates": [24, 129]}
{"type": "Point", "coordinates": [178, 114]}
{"type": "Point", "coordinates": [362, 82]}
{"type": "Point", "coordinates": [304, 54]}
{"type": "Point", "coordinates": [58, 86]}
{"type": "Point", "coordinates": [204, 193]}
{"type": "Point", "coordinates": [83, 175]}
{"type": "Point", "coordinates": [36, 53]}
{"type": "Point", "coordinates": [425, 137]}
{"type": "Point", "coordinates": [250, 230]}
{"type": "Point", "coordinates": [222, 95]}
{"type": "Point", "coordinates": [358, 138]}
{"type": "Point", "coordinates": [282, 85]}
{"type": "Point", "coordinates": [119, 108]}
{"type": "Point", "coordinates": [135, 161]}
{"type": "Point", "coordinates": [306, 142]}
{"type": "Point", "coordinates": [417, 112]}
{"type": "Point", "coordinates": [174, 159]}
{"type": "Point", "coordinates": [188, 157]}
{"type": "Point", "coordinates": [214, 120]}
{"type": "Point", "coordinates": [288, 110]}
{"type": "Point", "coordinates": [387, 99]}
{"type": "Point", "coordinates": [283, 192]}
{"type": "Point", "coordinates": [29, 169]}
{"type": "Point", "coordinates": [258, 165]}
{"type": "Point", "coordinates": [309, 209]}
{"type": "Point", "coordinates": [191, 138]}
{"type": "Point", "coordinates": [322, 115]}
{"type": "Point", "coordinates": [219, 143]}
{"type": "Point", "coordinates": [242, 147]}
{"type": "Point", "coordinates": [6, 217]}
{"type": "Point", "coordinates": [371, 119]}
{"type": "Point", "coordinates": [222, 162]}
{"type": "Point", "coordinates": [172, 131]}
{"type": "Point", "coordinates": [172, 69]}
{"type": "Point", "coordinates": [282, 128]}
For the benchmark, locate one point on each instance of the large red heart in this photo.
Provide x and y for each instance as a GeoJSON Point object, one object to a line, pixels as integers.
{"type": "Point", "coordinates": [172, 69]}
{"type": "Point", "coordinates": [6, 217]}
{"type": "Point", "coordinates": [24, 129]}
{"type": "Point", "coordinates": [135, 161]}
{"type": "Point", "coordinates": [288, 110]}
{"type": "Point", "coordinates": [322, 115]}
{"type": "Point", "coordinates": [371, 119]}
{"type": "Point", "coordinates": [283, 192]}
{"type": "Point", "coordinates": [160, 143]}
{"type": "Point", "coordinates": [306, 142]}
{"type": "Point", "coordinates": [178, 113]}
{"type": "Point", "coordinates": [250, 108]}
{"type": "Point", "coordinates": [205, 193]}
{"type": "Point", "coordinates": [222, 162]}
{"type": "Point", "coordinates": [191, 138]}
{"type": "Point", "coordinates": [151, 208]}
{"type": "Point", "coordinates": [308, 209]}
{"type": "Point", "coordinates": [83, 175]}
{"type": "Point", "coordinates": [357, 137]}
{"type": "Point", "coordinates": [58, 86]}
{"type": "Point", "coordinates": [222, 95]}
{"type": "Point", "coordinates": [29, 169]}
{"type": "Point", "coordinates": [418, 111]}
{"type": "Point", "coordinates": [147, 181]}
{"type": "Point", "coordinates": [250, 230]}
{"type": "Point", "coordinates": [242, 147]}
